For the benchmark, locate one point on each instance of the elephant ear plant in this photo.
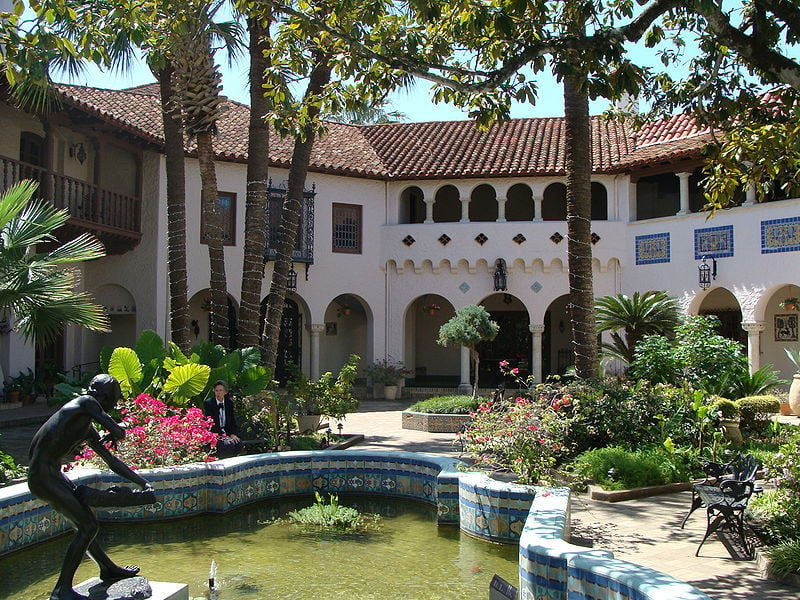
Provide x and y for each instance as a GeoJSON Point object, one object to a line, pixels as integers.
{"type": "Point", "coordinates": [156, 369]}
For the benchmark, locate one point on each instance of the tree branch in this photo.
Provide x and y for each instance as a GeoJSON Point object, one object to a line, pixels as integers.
{"type": "Point", "coordinates": [750, 47]}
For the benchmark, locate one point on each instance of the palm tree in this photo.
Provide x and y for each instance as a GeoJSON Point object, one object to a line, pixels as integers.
{"type": "Point", "coordinates": [640, 315]}
{"type": "Point", "coordinates": [176, 205]}
{"type": "Point", "coordinates": [255, 221]}
{"type": "Point", "coordinates": [38, 287]}
{"type": "Point", "coordinates": [578, 163]}
{"type": "Point", "coordinates": [199, 91]}
{"type": "Point", "coordinates": [290, 215]}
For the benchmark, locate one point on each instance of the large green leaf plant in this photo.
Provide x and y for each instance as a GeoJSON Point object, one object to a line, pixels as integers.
{"type": "Point", "coordinates": [164, 371]}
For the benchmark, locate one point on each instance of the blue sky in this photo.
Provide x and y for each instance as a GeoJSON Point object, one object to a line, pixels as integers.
{"type": "Point", "coordinates": [415, 103]}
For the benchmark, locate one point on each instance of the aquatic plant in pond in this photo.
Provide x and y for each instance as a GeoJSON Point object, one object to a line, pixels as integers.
{"type": "Point", "coordinates": [331, 516]}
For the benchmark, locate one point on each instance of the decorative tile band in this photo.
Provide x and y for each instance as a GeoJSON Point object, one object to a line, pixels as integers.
{"type": "Point", "coordinates": [549, 567]}
{"type": "Point", "coordinates": [780, 235]}
{"type": "Point", "coordinates": [713, 242]}
{"type": "Point", "coordinates": [652, 248]}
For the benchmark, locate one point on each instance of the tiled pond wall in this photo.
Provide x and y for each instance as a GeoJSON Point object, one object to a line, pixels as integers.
{"type": "Point", "coordinates": [536, 518]}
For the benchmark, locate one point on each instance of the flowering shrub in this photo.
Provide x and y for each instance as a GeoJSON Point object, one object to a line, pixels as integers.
{"type": "Point", "coordinates": [519, 434]}
{"type": "Point", "coordinates": [158, 435]}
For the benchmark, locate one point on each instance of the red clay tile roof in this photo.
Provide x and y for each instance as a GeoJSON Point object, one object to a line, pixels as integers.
{"type": "Point", "coordinates": [520, 147]}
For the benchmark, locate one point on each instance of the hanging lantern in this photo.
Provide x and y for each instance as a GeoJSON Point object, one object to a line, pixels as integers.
{"type": "Point", "coordinates": [500, 280]}
{"type": "Point", "coordinates": [291, 279]}
{"type": "Point", "coordinates": [705, 273]}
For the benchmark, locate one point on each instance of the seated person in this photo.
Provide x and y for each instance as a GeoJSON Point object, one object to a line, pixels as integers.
{"type": "Point", "coordinates": [220, 409]}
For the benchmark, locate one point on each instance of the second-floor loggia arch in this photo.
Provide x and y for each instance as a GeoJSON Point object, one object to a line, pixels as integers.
{"type": "Point", "coordinates": [447, 208]}
{"type": "Point", "coordinates": [412, 206]}
{"type": "Point", "coordinates": [519, 203]}
{"type": "Point", "coordinates": [554, 203]}
{"type": "Point", "coordinates": [483, 204]}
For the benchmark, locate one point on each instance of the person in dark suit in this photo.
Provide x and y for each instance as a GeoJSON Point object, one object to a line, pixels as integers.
{"type": "Point", "coordinates": [220, 409]}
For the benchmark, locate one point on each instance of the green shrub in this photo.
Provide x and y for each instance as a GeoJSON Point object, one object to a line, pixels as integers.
{"type": "Point", "coordinates": [619, 469]}
{"type": "Point", "coordinates": [756, 412]}
{"type": "Point", "coordinates": [726, 409]}
{"type": "Point", "coordinates": [618, 412]}
{"type": "Point", "coordinates": [767, 513]}
{"type": "Point", "coordinates": [698, 356]}
{"type": "Point", "coordinates": [454, 405]}
{"type": "Point", "coordinates": [784, 558]}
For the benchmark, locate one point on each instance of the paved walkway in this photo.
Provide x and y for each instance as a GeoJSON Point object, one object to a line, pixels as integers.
{"type": "Point", "coordinates": [644, 531]}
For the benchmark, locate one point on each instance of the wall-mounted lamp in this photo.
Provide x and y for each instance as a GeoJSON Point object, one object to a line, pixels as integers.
{"type": "Point", "coordinates": [291, 279]}
{"type": "Point", "coordinates": [78, 152]}
{"type": "Point", "coordinates": [706, 272]}
{"type": "Point", "coordinates": [195, 328]}
{"type": "Point", "coordinates": [500, 279]}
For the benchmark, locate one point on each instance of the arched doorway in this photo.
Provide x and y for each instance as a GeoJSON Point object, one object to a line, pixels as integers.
{"type": "Point", "coordinates": [432, 365]}
{"type": "Point", "coordinates": [347, 322]}
{"type": "Point", "coordinates": [557, 353]}
{"type": "Point", "coordinates": [200, 318]}
{"type": "Point", "coordinates": [289, 338]}
{"type": "Point", "coordinates": [513, 341]}
{"type": "Point", "coordinates": [723, 304]}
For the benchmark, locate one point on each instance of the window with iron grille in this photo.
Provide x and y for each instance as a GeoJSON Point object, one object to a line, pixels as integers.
{"type": "Point", "coordinates": [304, 245]}
{"type": "Point", "coordinates": [226, 208]}
{"type": "Point", "coordinates": [347, 228]}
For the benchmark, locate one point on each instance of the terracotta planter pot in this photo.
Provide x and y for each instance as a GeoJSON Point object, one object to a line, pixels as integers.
{"type": "Point", "coordinates": [12, 396]}
{"type": "Point", "coordinates": [391, 392]}
{"type": "Point", "coordinates": [377, 391]}
{"type": "Point", "coordinates": [786, 409]}
{"type": "Point", "coordinates": [794, 394]}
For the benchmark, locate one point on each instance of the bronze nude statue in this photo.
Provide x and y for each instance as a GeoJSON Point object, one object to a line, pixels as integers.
{"type": "Point", "coordinates": [60, 435]}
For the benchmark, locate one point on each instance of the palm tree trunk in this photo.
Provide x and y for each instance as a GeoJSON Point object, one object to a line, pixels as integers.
{"type": "Point", "coordinates": [176, 210]}
{"type": "Point", "coordinates": [213, 233]}
{"type": "Point", "coordinates": [255, 220]}
{"type": "Point", "coordinates": [578, 161]}
{"type": "Point", "coordinates": [290, 216]}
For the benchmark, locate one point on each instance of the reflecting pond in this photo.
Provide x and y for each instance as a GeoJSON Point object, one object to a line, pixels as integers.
{"type": "Point", "coordinates": [408, 558]}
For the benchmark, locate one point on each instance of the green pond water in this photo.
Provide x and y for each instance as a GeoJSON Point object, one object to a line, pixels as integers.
{"type": "Point", "coordinates": [408, 558]}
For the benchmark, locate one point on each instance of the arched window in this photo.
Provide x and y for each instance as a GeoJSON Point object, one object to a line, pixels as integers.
{"type": "Point", "coordinates": [554, 203]}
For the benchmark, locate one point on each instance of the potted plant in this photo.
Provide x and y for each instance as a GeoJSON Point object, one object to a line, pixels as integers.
{"type": "Point", "coordinates": [324, 396]}
{"type": "Point", "coordinates": [12, 390]}
{"type": "Point", "coordinates": [794, 389]}
{"type": "Point", "coordinates": [727, 413]}
{"type": "Point", "coordinates": [345, 309]}
{"type": "Point", "coordinates": [386, 373]}
{"type": "Point", "coordinates": [790, 304]}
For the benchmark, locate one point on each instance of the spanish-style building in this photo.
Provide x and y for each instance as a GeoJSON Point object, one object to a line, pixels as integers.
{"type": "Point", "coordinates": [403, 224]}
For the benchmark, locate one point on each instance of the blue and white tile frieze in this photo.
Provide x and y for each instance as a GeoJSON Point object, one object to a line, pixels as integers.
{"type": "Point", "coordinates": [652, 248]}
{"type": "Point", "coordinates": [780, 235]}
{"type": "Point", "coordinates": [713, 242]}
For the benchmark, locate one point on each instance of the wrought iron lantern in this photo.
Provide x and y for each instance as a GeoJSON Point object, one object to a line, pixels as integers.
{"type": "Point", "coordinates": [706, 272]}
{"type": "Point", "coordinates": [500, 278]}
{"type": "Point", "coordinates": [291, 279]}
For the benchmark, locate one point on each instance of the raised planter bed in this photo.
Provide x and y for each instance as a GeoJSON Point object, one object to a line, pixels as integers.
{"type": "Point", "coordinates": [762, 562]}
{"type": "Point", "coordinates": [598, 493]}
{"type": "Point", "coordinates": [434, 423]}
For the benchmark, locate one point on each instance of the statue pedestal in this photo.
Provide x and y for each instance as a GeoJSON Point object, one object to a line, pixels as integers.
{"type": "Point", "coordinates": [133, 588]}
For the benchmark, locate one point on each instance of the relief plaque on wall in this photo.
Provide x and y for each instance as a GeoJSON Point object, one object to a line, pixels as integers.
{"type": "Point", "coordinates": [786, 328]}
